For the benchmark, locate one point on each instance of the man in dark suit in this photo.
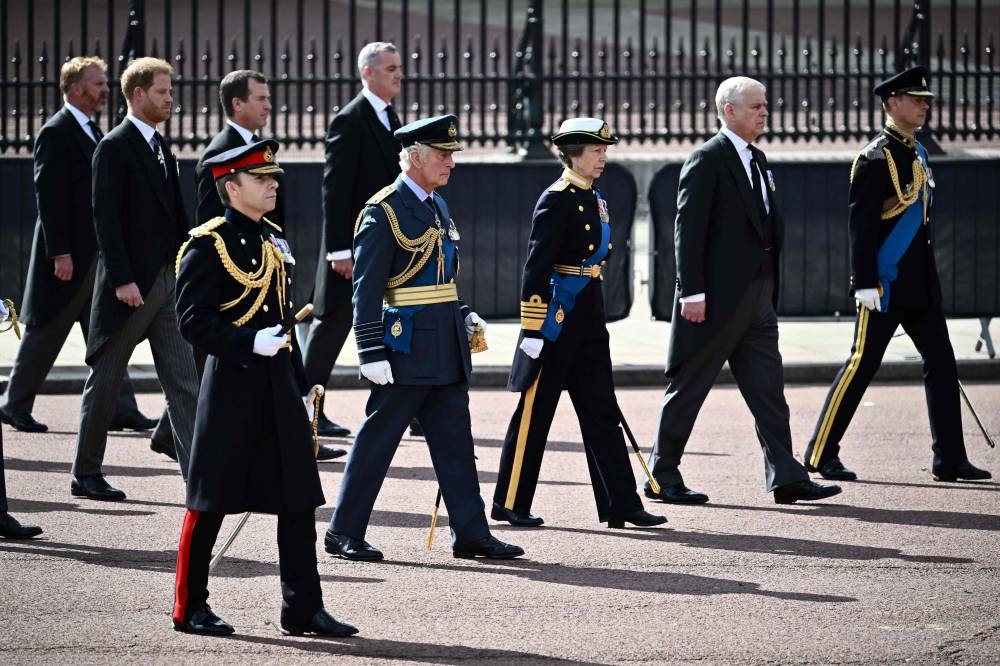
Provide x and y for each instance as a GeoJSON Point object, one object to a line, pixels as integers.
{"type": "Point", "coordinates": [140, 222]}
{"type": "Point", "coordinates": [415, 350]}
{"type": "Point", "coordinates": [362, 157]}
{"type": "Point", "coordinates": [728, 234]}
{"type": "Point", "coordinates": [61, 272]}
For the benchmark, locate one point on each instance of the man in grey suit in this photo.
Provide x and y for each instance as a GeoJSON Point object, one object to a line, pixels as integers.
{"type": "Point", "coordinates": [63, 253]}
{"type": "Point", "coordinates": [728, 234]}
{"type": "Point", "coordinates": [140, 222]}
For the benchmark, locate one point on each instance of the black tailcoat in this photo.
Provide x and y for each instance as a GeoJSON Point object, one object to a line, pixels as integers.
{"type": "Point", "coordinates": [252, 448]}
{"type": "Point", "coordinates": [65, 224]}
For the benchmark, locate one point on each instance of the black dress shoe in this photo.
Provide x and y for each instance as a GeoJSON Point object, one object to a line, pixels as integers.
{"type": "Point", "coordinates": [22, 422]}
{"type": "Point", "coordinates": [135, 421]}
{"type": "Point", "coordinates": [806, 491]}
{"type": "Point", "coordinates": [204, 621]}
{"type": "Point", "coordinates": [515, 518]}
{"type": "Point", "coordinates": [678, 493]}
{"type": "Point", "coordinates": [416, 430]}
{"type": "Point", "coordinates": [834, 470]}
{"type": "Point", "coordinates": [966, 472]}
{"type": "Point", "coordinates": [350, 548]}
{"type": "Point", "coordinates": [640, 518]}
{"type": "Point", "coordinates": [321, 624]}
{"type": "Point", "coordinates": [489, 547]}
{"type": "Point", "coordinates": [165, 448]}
{"type": "Point", "coordinates": [96, 488]}
{"type": "Point", "coordinates": [327, 428]}
{"type": "Point", "coordinates": [329, 453]}
{"type": "Point", "coordinates": [10, 528]}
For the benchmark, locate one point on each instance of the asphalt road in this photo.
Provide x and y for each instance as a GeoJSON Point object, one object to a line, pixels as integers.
{"type": "Point", "coordinates": [897, 569]}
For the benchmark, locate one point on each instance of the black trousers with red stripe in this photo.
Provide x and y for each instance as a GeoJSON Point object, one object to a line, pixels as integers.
{"type": "Point", "coordinates": [872, 333]}
{"type": "Point", "coordinates": [300, 587]}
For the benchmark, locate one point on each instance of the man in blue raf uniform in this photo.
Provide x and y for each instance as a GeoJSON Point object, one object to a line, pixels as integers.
{"type": "Point", "coordinates": [895, 283]}
{"type": "Point", "coordinates": [564, 340]}
{"type": "Point", "coordinates": [252, 447]}
{"type": "Point", "coordinates": [415, 350]}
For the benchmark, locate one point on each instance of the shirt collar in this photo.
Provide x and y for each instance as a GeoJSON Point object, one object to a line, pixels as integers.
{"type": "Point", "coordinates": [80, 116]}
{"type": "Point", "coordinates": [147, 130]}
{"type": "Point", "coordinates": [738, 142]}
{"type": "Point", "coordinates": [243, 131]}
{"type": "Point", "coordinates": [377, 102]}
{"type": "Point", "coordinates": [420, 192]}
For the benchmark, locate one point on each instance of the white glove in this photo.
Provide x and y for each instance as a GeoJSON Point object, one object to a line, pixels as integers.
{"type": "Point", "coordinates": [379, 372]}
{"type": "Point", "coordinates": [4, 312]}
{"type": "Point", "coordinates": [532, 346]}
{"type": "Point", "coordinates": [269, 340]}
{"type": "Point", "coordinates": [310, 407]}
{"type": "Point", "coordinates": [868, 298]}
{"type": "Point", "coordinates": [471, 320]}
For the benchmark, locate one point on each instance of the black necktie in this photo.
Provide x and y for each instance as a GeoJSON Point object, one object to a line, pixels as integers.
{"type": "Point", "coordinates": [254, 139]}
{"type": "Point", "coordinates": [157, 143]}
{"type": "Point", "coordinates": [98, 134]}
{"type": "Point", "coordinates": [394, 123]}
{"type": "Point", "coordinates": [755, 177]}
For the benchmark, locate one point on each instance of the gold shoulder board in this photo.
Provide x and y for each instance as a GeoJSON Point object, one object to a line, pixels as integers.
{"type": "Point", "coordinates": [379, 196]}
{"type": "Point", "coordinates": [559, 185]}
{"type": "Point", "coordinates": [207, 228]}
{"type": "Point", "coordinates": [272, 225]}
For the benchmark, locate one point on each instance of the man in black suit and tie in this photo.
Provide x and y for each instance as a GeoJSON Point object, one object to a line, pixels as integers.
{"type": "Point", "coordinates": [140, 222]}
{"type": "Point", "coordinates": [61, 272]}
{"type": "Point", "coordinates": [728, 234]}
{"type": "Point", "coordinates": [362, 157]}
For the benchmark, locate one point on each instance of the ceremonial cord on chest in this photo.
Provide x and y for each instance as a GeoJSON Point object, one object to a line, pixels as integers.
{"type": "Point", "coordinates": [272, 265]}
{"type": "Point", "coordinates": [420, 249]}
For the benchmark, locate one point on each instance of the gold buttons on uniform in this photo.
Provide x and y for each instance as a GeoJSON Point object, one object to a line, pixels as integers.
{"type": "Point", "coordinates": [572, 189]}
{"type": "Point", "coordinates": [243, 241]}
{"type": "Point", "coordinates": [610, 245]}
{"type": "Point", "coordinates": [603, 262]}
{"type": "Point", "coordinates": [253, 261]}
{"type": "Point", "coordinates": [586, 227]}
{"type": "Point", "coordinates": [264, 307]}
{"type": "Point", "coordinates": [591, 247]}
{"type": "Point", "coordinates": [580, 208]}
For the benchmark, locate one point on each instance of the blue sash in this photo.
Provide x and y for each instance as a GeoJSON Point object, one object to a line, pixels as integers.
{"type": "Point", "coordinates": [398, 320]}
{"type": "Point", "coordinates": [566, 287]}
{"type": "Point", "coordinates": [900, 237]}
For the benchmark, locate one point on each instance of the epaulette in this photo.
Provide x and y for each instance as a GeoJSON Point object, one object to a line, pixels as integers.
{"type": "Point", "coordinates": [559, 185]}
{"type": "Point", "coordinates": [380, 196]}
{"type": "Point", "coordinates": [272, 225]}
{"type": "Point", "coordinates": [873, 151]}
{"type": "Point", "coordinates": [208, 227]}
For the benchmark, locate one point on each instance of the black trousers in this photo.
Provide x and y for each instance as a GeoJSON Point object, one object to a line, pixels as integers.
{"type": "Point", "coordinates": [872, 333]}
{"type": "Point", "coordinates": [325, 341]}
{"type": "Point", "coordinates": [300, 588]}
{"type": "Point", "coordinates": [580, 363]}
{"type": "Point", "coordinates": [750, 344]}
{"type": "Point", "coordinates": [3, 482]}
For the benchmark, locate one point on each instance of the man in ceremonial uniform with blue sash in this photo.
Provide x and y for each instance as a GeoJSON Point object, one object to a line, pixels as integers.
{"type": "Point", "coordinates": [895, 283]}
{"type": "Point", "coordinates": [564, 340]}
{"type": "Point", "coordinates": [413, 336]}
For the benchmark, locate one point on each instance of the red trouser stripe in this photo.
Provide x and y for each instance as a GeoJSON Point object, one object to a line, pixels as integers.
{"type": "Point", "coordinates": [184, 565]}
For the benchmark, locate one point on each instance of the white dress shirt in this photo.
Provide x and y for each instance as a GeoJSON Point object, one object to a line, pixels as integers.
{"type": "Point", "coordinates": [83, 119]}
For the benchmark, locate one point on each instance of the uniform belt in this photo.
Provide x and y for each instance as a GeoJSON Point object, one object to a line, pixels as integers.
{"type": "Point", "coordinates": [435, 293]}
{"type": "Point", "coordinates": [583, 271]}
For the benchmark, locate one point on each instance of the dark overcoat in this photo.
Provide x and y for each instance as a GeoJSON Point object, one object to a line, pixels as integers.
{"type": "Point", "coordinates": [719, 243]}
{"type": "Point", "coordinates": [362, 157]}
{"type": "Point", "coordinates": [65, 223]}
{"type": "Point", "coordinates": [252, 448]}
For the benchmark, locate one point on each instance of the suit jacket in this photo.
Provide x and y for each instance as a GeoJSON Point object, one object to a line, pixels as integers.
{"type": "Point", "coordinates": [209, 203]}
{"type": "Point", "coordinates": [65, 224]}
{"type": "Point", "coordinates": [439, 350]}
{"type": "Point", "coordinates": [362, 157]}
{"type": "Point", "coordinates": [719, 242]}
{"type": "Point", "coordinates": [140, 222]}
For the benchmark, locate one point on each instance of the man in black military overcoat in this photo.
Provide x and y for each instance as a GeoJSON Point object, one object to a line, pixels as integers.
{"type": "Point", "coordinates": [252, 448]}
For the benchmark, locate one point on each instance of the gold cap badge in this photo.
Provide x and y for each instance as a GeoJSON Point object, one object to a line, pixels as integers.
{"type": "Point", "coordinates": [452, 130]}
{"type": "Point", "coordinates": [268, 155]}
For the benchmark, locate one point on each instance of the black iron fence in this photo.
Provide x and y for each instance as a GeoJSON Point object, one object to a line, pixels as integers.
{"type": "Point", "coordinates": [513, 69]}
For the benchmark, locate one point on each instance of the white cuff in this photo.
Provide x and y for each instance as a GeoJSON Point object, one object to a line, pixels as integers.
{"type": "Point", "coordinates": [693, 298]}
{"type": "Point", "coordinates": [338, 255]}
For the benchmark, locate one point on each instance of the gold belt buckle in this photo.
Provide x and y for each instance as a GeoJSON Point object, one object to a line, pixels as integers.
{"type": "Point", "coordinates": [593, 271]}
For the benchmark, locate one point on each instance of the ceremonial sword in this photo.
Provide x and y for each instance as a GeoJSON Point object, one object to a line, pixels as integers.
{"type": "Point", "coordinates": [654, 486]}
{"type": "Point", "coordinates": [975, 415]}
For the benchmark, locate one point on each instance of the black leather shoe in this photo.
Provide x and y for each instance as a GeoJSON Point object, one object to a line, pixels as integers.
{"type": "Point", "coordinates": [329, 453]}
{"type": "Point", "coordinates": [966, 472]}
{"type": "Point", "coordinates": [416, 430]}
{"type": "Point", "coordinates": [489, 547]}
{"type": "Point", "coordinates": [204, 621]}
{"type": "Point", "coordinates": [350, 548]}
{"type": "Point", "coordinates": [515, 518]}
{"type": "Point", "coordinates": [321, 624]}
{"type": "Point", "coordinates": [10, 528]}
{"type": "Point", "coordinates": [640, 518]}
{"type": "Point", "coordinates": [96, 488]}
{"type": "Point", "coordinates": [327, 428]}
{"type": "Point", "coordinates": [22, 422]}
{"type": "Point", "coordinates": [678, 493]}
{"type": "Point", "coordinates": [135, 421]}
{"type": "Point", "coordinates": [163, 447]}
{"type": "Point", "coordinates": [806, 491]}
{"type": "Point", "coordinates": [834, 470]}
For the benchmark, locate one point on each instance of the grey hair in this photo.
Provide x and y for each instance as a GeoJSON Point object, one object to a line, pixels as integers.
{"type": "Point", "coordinates": [404, 155]}
{"type": "Point", "coordinates": [731, 92]}
{"type": "Point", "coordinates": [369, 53]}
